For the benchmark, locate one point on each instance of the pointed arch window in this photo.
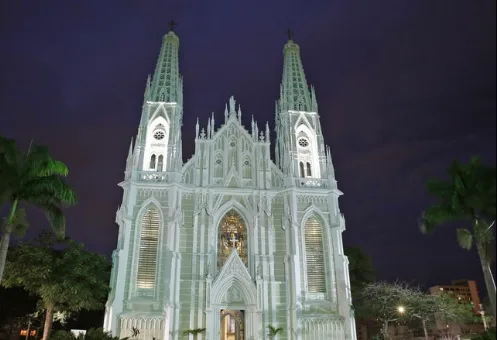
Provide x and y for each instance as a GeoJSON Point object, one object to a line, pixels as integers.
{"type": "Point", "coordinates": [147, 256]}
{"type": "Point", "coordinates": [309, 173]}
{"type": "Point", "coordinates": [232, 234]}
{"type": "Point", "coordinates": [302, 171]}
{"type": "Point", "coordinates": [314, 258]}
{"type": "Point", "coordinates": [152, 162]}
{"type": "Point", "coordinates": [160, 163]}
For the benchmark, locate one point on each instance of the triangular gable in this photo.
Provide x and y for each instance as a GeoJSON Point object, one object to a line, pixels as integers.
{"type": "Point", "coordinates": [234, 266]}
{"type": "Point", "coordinates": [160, 112]}
{"type": "Point", "coordinates": [232, 180]}
{"type": "Point", "coordinates": [302, 120]}
{"type": "Point", "coordinates": [232, 121]}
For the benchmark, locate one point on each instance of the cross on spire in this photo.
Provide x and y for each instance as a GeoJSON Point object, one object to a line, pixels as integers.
{"type": "Point", "coordinates": [289, 33]}
{"type": "Point", "coordinates": [172, 23]}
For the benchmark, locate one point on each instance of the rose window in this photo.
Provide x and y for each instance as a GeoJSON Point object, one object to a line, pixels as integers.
{"type": "Point", "coordinates": [303, 142]}
{"type": "Point", "coordinates": [159, 135]}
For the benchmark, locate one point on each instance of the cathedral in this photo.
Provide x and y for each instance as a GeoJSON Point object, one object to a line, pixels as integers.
{"type": "Point", "coordinates": [231, 244]}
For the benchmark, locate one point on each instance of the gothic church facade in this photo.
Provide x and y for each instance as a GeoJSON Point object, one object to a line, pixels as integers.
{"type": "Point", "coordinates": [230, 242]}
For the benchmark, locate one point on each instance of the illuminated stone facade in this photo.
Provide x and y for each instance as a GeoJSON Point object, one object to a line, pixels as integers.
{"type": "Point", "coordinates": [230, 241]}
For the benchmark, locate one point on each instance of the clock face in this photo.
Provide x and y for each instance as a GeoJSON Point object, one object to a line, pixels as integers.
{"type": "Point", "coordinates": [303, 142]}
{"type": "Point", "coordinates": [159, 135]}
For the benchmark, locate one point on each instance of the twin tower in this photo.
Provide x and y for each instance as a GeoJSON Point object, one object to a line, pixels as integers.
{"type": "Point", "coordinates": [230, 243]}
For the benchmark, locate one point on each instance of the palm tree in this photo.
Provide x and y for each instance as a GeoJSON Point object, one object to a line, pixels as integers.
{"type": "Point", "coordinates": [33, 177]}
{"type": "Point", "coordinates": [273, 331]}
{"type": "Point", "coordinates": [469, 194]}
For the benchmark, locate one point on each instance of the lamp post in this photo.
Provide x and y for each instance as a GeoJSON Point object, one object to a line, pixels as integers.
{"type": "Point", "coordinates": [482, 313]}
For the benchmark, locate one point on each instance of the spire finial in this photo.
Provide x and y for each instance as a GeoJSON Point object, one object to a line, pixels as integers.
{"type": "Point", "coordinates": [172, 23]}
{"type": "Point", "coordinates": [289, 34]}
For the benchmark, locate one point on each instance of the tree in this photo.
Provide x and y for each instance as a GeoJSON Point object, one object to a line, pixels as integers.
{"type": "Point", "coordinates": [361, 269]}
{"type": "Point", "coordinates": [65, 276]}
{"type": "Point", "coordinates": [194, 332]}
{"type": "Point", "coordinates": [33, 177]}
{"type": "Point", "coordinates": [429, 308]}
{"type": "Point", "coordinates": [468, 195]}
{"type": "Point", "coordinates": [91, 334]}
{"type": "Point", "coordinates": [386, 302]}
{"type": "Point", "coordinates": [273, 331]}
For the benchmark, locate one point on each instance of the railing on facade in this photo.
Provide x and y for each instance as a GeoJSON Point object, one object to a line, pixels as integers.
{"type": "Point", "coordinates": [311, 183]}
{"type": "Point", "coordinates": [152, 176]}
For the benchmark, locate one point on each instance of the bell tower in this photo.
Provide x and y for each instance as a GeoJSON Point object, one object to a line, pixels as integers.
{"type": "Point", "coordinates": [158, 144]}
{"type": "Point", "coordinates": [300, 150]}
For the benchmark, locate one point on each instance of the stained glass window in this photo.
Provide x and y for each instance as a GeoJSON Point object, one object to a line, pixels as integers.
{"type": "Point", "coordinates": [149, 241]}
{"type": "Point", "coordinates": [314, 256]}
{"type": "Point", "coordinates": [232, 234]}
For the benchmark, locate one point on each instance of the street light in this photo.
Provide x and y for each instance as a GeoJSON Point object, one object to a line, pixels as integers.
{"type": "Point", "coordinates": [482, 313]}
{"type": "Point", "coordinates": [401, 309]}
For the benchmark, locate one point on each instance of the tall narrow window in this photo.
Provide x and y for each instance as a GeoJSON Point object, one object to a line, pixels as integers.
{"type": "Point", "coordinates": [302, 173]}
{"type": "Point", "coordinates": [152, 162]}
{"type": "Point", "coordinates": [149, 241]}
{"type": "Point", "coordinates": [160, 163]}
{"type": "Point", "coordinates": [309, 173]}
{"type": "Point", "coordinates": [314, 257]}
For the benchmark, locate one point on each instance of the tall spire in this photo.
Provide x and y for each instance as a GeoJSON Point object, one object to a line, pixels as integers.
{"type": "Point", "coordinates": [294, 92]}
{"type": "Point", "coordinates": [167, 84]}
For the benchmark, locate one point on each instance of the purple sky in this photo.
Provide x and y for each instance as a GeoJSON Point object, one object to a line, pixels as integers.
{"type": "Point", "coordinates": [403, 88]}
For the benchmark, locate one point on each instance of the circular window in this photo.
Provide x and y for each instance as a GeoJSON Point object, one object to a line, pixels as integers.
{"type": "Point", "coordinates": [303, 142]}
{"type": "Point", "coordinates": [218, 161]}
{"type": "Point", "coordinates": [159, 135]}
{"type": "Point", "coordinates": [232, 144]}
{"type": "Point", "coordinates": [246, 163]}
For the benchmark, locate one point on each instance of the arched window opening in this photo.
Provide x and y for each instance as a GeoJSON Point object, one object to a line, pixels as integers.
{"type": "Point", "coordinates": [149, 241]}
{"type": "Point", "coordinates": [152, 162]}
{"type": "Point", "coordinates": [302, 172]}
{"type": "Point", "coordinates": [232, 234]}
{"type": "Point", "coordinates": [309, 173]}
{"type": "Point", "coordinates": [160, 163]}
{"type": "Point", "coordinates": [314, 258]}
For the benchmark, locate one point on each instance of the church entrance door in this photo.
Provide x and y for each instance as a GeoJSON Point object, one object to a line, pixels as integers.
{"type": "Point", "coordinates": [232, 324]}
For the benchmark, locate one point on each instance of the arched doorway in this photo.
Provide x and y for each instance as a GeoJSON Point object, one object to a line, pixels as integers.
{"type": "Point", "coordinates": [232, 234]}
{"type": "Point", "coordinates": [232, 324]}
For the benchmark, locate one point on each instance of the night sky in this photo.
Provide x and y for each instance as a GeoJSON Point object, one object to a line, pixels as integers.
{"type": "Point", "coordinates": [403, 87]}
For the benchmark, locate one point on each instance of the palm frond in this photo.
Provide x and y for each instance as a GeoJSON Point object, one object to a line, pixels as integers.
{"type": "Point", "coordinates": [53, 212]}
{"type": "Point", "coordinates": [273, 331]}
{"type": "Point", "coordinates": [8, 149]}
{"type": "Point", "coordinates": [435, 215]}
{"type": "Point", "coordinates": [464, 238]}
{"type": "Point", "coordinates": [50, 185]}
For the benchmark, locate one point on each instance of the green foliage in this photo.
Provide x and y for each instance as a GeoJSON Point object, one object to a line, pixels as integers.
{"type": "Point", "coordinates": [91, 334]}
{"type": "Point", "coordinates": [193, 331]}
{"type": "Point", "coordinates": [273, 331]}
{"type": "Point", "coordinates": [33, 177]}
{"type": "Point", "coordinates": [490, 334]}
{"type": "Point", "coordinates": [469, 194]}
{"type": "Point", "coordinates": [464, 238]}
{"type": "Point", "coordinates": [65, 276]}
{"type": "Point", "coordinates": [19, 223]}
{"type": "Point", "coordinates": [429, 308]}
{"type": "Point", "coordinates": [380, 300]}
{"type": "Point", "coordinates": [361, 269]}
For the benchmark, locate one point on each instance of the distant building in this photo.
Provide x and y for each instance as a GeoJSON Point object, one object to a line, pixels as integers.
{"type": "Point", "coordinates": [463, 290]}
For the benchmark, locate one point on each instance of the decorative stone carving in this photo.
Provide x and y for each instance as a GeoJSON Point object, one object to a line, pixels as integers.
{"type": "Point", "coordinates": [234, 295]}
